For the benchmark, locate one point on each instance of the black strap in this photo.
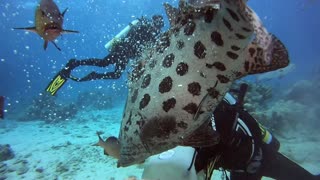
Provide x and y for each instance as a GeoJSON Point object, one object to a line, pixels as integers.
{"type": "Point", "coordinates": [192, 161]}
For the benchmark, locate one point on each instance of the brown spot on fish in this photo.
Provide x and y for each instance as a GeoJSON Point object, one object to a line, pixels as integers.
{"type": "Point", "coordinates": [235, 48]}
{"type": "Point", "coordinates": [232, 55]}
{"type": "Point", "coordinates": [191, 108]}
{"type": "Point", "coordinates": [246, 66]}
{"type": "Point", "coordinates": [194, 88]}
{"type": "Point", "coordinates": [165, 85]}
{"type": "Point", "coordinates": [227, 24]}
{"type": "Point", "coordinates": [240, 36]}
{"type": "Point", "coordinates": [146, 81]}
{"type": "Point", "coordinates": [199, 50]}
{"type": "Point", "coordinates": [246, 29]}
{"type": "Point", "coordinates": [182, 68]}
{"type": "Point", "coordinates": [216, 38]}
{"type": "Point", "coordinates": [209, 15]}
{"type": "Point", "coordinates": [169, 104]}
{"type": "Point", "coordinates": [219, 65]}
{"type": "Point", "coordinates": [233, 15]}
{"type": "Point", "coordinates": [168, 60]}
{"type": "Point", "coordinates": [222, 78]}
{"type": "Point", "coordinates": [252, 51]}
{"type": "Point", "coordinates": [190, 28]}
{"type": "Point", "coordinates": [144, 101]}
{"type": "Point", "coordinates": [212, 92]}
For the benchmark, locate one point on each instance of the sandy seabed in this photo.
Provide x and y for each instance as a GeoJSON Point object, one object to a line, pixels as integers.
{"type": "Point", "coordinates": [65, 151]}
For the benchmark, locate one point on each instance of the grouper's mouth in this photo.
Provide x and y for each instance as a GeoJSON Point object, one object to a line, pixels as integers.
{"type": "Point", "coordinates": [52, 26]}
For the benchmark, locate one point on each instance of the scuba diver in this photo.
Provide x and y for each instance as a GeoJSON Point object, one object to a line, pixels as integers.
{"type": "Point", "coordinates": [246, 149]}
{"type": "Point", "coordinates": [1, 107]}
{"type": "Point", "coordinates": [127, 45]}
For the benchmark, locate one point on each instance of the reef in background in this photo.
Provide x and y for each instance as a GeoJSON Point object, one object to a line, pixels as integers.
{"type": "Point", "coordinates": [46, 108]}
{"type": "Point", "coordinates": [296, 108]}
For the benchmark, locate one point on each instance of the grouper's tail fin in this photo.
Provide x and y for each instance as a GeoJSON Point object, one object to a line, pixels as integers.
{"type": "Point", "coordinates": [264, 59]}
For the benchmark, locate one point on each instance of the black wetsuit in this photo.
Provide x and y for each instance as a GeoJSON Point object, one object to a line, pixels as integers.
{"type": "Point", "coordinates": [139, 36]}
{"type": "Point", "coordinates": [243, 152]}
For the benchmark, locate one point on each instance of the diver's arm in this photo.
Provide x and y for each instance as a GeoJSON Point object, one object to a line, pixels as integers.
{"type": "Point", "coordinates": [119, 68]}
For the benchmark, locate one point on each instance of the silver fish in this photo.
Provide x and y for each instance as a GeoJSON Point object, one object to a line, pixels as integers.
{"type": "Point", "coordinates": [179, 82]}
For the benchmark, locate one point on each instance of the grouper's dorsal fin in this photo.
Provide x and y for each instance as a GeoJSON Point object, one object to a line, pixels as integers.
{"type": "Point", "coordinates": [64, 12]}
{"type": "Point", "coordinates": [262, 59]}
{"type": "Point", "coordinates": [172, 13]}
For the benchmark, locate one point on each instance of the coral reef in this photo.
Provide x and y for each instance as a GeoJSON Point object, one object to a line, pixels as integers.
{"type": "Point", "coordinates": [94, 100]}
{"type": "Point", "coordinates": [296, 108]}
{"type": "Point", "coordinates": [45, 108]}
{"type": "Point", "coordinates": [6, 152]}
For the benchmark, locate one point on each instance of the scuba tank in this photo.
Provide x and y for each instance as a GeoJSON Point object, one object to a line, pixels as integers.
{"type": "Point", "coordinates": [120, 35]}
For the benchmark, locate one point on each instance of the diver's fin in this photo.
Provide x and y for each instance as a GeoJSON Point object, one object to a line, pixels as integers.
{"type": "Point", "coordinates": [204, 136]}
{"type": "Point", "coordinates": [1, 107]}
{"type": "Point", "coordinates": [45, 44]}
{"type": "Point", "coordinates": [69, 31]}
{"type": "Point", "coordinates": [172, 13]}
{"type": "Point", "coordinates": [55, 45]}
{"type": "Point", "coordinates": [273, 55]}
{"type": "Point", "coordinates": [30, 29]}
{"type": "Point", "coordinates": [57, 83]}
{"type": "Point", "coordinates": [64, 12]}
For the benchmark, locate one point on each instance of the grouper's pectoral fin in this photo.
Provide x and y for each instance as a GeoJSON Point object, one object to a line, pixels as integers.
{"type": "Point", "coordinates": [45, 44]}
{"type": "Point", "coordinates": [271, 56]}
{"type": "Point", "coordinates": [64, 31]}
{"type": "Point", "coordinates": [30, 29]}
{"type": "Point", "coordinates": [55, 45]}
{"type": "Point", "coordinates": [204, 136]}
{"type": "Point", "coordinates": [64, 12]}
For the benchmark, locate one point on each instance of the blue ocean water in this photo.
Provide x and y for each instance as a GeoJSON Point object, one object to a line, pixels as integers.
{"type": "Point", "coordinates": [26, 69]}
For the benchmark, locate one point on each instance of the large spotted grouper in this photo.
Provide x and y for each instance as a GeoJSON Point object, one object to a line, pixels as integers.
{"type": "Point", "coordinates": [179, 82]}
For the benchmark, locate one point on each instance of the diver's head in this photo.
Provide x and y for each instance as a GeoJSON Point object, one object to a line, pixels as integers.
{"type": "Point", "coordinates": [157, 21]}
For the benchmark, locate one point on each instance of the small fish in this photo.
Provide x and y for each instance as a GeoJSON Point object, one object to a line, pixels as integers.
{"type": "Point", "coordinates": [111, 146]}
{"type": "Point", "coordinates": [1, 107]}
{"type": "Point", "coordinates": [48, 22]}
